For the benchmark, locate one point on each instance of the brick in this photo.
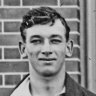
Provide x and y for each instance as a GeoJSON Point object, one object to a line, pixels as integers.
{"type": "Point", "coordinates": [25, 75]}
{"type": "Point", "coordinates": [5, 91]}
{"type": "Point", "coordinates": [9, 39]}
{"type": "Point", "coordinates": [74, 26]}
{"type": "Point", "coordinates": [75, 38]}
{"type": "Point", "coordinates": [12, 79]}
{"type": "Point", "coordinates": [11, 26]}
{"type": "Point", "coordinates": [72, 66]}
{"type": "Point", "coordinates": [11, 53]}
{"type": "Point", "coordinates": [76, 53]}
{"type": "Point", "coordinates": [69, 12]}
{"type": "Point", "coordinates": [69, 2]}
{"type": "Point", "coordinates": [39, 2]}
{"type": "Point", "coordinates": [0, 79]}
{"type": "Point", "coordinates": [0, 53]}
{"type": "Point", "coordinates": [76, 77]}
{"type": "Point", "coordinates": [0, 27]}
{"type": "Point", "coordinates": [17, 13]}
{"type": "Point", "coordinates": [12, 13]}
{"type": "Point", "coordinates": [15, 66]}
{"type": "Point", "coordinates": [12, 2]}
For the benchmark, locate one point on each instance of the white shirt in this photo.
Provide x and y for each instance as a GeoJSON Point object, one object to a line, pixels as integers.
{"type": "Point", "coordinates": [23, 89]}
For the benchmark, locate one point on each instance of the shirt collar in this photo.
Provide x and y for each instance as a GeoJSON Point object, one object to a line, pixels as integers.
{"type": "Point", "coordinates": [24, 90]}
{"type": "Point", "coordinates": [62, 91]}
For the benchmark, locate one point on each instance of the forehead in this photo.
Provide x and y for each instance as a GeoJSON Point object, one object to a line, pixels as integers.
{"type": "Point", "coordinates": [46, 30]}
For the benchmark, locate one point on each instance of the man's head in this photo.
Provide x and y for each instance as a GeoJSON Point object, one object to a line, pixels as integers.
{"type": "Point", "coordinates": [46, 41]}
{"type": "Point", "coordinates": [42, 16]}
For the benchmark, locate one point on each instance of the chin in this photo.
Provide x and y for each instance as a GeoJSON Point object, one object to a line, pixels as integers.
{"type": "Point", "coordinates": [48, 73]}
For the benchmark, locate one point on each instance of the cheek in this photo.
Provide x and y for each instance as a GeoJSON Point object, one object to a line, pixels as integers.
{"type": "Point", "coordinates": [32, 51]}
{"type": "Point", "coordinates": [61, 55]}
{"type": "Point", "coordinates": [61, 50]}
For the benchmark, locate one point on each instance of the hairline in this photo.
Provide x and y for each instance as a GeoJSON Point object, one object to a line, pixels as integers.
{"type": "Point", "coordinates": [24, 31]}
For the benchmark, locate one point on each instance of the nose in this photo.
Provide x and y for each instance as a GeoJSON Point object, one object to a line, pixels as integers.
{"type": "Point", "coordinates": [46, 49]}
{"type": "Point", "coordinates": [46, 53]}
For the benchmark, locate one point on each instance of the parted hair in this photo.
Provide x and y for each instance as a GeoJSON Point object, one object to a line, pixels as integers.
{"type": "Point", "coordinates": [42, 15]}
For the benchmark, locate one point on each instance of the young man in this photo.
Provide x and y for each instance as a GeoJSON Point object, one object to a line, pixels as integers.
{"type": "Point", "coordinates": [45, 41]}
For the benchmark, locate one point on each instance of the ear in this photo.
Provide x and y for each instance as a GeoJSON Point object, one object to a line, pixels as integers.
{"type": "Point", "coordinates": [69, 48]}
{"type": "Point", "coordinates": [22, 49]}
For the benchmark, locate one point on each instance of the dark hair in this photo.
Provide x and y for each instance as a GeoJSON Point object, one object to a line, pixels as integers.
{"type": "Point", "coordinates": [41, 15]}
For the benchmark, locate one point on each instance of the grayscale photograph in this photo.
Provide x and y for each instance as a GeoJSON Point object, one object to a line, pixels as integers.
{"type": "Point", "coordinates": [47, 47]}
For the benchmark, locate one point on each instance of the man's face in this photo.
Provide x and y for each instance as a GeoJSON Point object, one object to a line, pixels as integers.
{"type": "Point", "coordinates": [46, 48]}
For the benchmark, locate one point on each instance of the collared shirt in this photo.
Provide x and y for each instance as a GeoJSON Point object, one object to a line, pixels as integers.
{"type": "Point", "coordinates": [72, 88]}
{"type": "Point", "coordinates": [23, 89]}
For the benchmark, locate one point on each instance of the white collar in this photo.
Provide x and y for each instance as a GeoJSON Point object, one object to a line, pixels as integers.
{"type": "Point", "coordinates": [63, 90]}
{"type": "Point", "coordinates": [23, 89]}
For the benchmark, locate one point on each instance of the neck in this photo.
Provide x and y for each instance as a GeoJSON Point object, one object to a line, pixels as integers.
{"type": "Point", "coordinates": [51, 86]}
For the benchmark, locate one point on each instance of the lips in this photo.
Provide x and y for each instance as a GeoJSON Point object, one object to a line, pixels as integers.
{"type": "Point", "coordinates": [47, 59]}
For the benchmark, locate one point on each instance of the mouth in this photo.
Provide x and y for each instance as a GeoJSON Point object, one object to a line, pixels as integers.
{"type": "Point", "coordinates": [47, 59]}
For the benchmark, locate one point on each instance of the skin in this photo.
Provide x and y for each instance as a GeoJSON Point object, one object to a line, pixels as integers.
{"type": "Point", "coordinates": [46, 48]}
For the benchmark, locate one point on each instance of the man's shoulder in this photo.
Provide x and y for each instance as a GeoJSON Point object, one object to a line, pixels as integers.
{"type": "Point", "coordinates": [87, 92]}
{"type": "Point", "coordinates": [26, 76]}
{"type": "Point", "coordinates": [22, 87]}
{"type": "Point", "coordinates": [74, 89]}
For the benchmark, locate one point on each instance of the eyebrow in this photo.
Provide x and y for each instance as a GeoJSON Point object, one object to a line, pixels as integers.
{"type": "Point", "coordinates": [54, 36]}
{"type": "Point", "coordinates": [35, 36]}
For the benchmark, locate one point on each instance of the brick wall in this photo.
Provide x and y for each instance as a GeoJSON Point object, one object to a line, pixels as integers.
{"type": "Point", "coordinates": [12, 68]}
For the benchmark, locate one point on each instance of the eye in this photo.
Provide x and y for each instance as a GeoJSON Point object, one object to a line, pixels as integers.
{"type": "Point", "coordinates": [36, 41]}
{"type": "Point", "coordinates": [55, 41]}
